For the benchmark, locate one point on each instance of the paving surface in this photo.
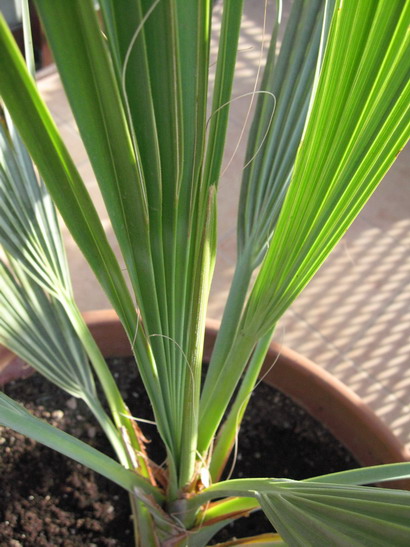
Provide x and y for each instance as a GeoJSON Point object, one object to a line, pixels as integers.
{"type": "Point", "coordinates": [354, 317]}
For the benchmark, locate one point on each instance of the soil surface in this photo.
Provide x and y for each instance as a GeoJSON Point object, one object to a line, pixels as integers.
{"type": "Point", "coordinates": [49, 500]}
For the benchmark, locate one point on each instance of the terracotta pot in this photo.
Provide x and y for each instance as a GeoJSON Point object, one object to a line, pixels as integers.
{"type": "Point", "coordinates": [318, 392]}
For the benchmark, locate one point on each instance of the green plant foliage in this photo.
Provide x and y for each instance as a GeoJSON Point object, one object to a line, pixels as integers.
{"type": "Point", "coordinates": [331, 116]}
{"type": "Point", "coordinates": [28, 226]}
{"type": "Point", "coordinates": [358, 124]}
{"type": "Point", "coordinates": [339, 515]}
{"type": "Point", "coordinates": [37, 330]}
{"type": "Point", "coordinates": [15, 416]}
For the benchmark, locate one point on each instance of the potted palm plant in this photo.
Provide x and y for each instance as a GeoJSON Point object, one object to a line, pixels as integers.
{"type": "Point", "coordinates": [330, 119]}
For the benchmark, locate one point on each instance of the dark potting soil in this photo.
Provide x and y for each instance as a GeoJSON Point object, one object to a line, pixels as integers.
{"type": "Point", "coordinates": [49, 500]}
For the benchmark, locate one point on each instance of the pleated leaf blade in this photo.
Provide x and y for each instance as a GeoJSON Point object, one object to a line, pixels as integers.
{"type": "Point", "coordinates": [278, 124]}
{"type": "Point", "coordinates": [38, 330]}
{"type": "Point", "coordinates": [310, 513]}
{"type": "Point", "coordinates": [338, 515]}
{"type": "Point", "coordinates": [29, 229]}
{"type": "Point", "coordinates": [358, 124]}
{"type": "Point", "coordinates": [101, 120]}
{"type": "Point", "coordinates": [62, 179]}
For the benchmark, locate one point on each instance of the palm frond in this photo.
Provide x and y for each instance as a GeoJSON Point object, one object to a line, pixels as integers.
{"type": "Point", "coordinates": [35, 328]}
{"type": "Point", "coordinates": [267, 167]}
{"type": "Point", "coordinates": [338, 515]}
{"type": "Point", "coordinates": [18, 418]}
{"type": "Point", "coordinates": [45, 145]}
{"type": "Point", "coordinates": [28, 223]}
{"type": "Point", "coordinates": [274, 141]}
{"type": "Point", "coordinates": [358, 124]}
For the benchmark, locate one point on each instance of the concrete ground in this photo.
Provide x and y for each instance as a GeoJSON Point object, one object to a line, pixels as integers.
{"type": "Point", "coordinates": [354, 317]}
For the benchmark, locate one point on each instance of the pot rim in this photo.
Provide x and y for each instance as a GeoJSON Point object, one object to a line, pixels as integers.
{"type": "Point", "coordinates": [322, 395]}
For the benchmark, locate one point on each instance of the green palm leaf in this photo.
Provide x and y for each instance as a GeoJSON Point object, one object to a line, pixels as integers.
{"type": "Point", "coordinates": [318, 513]}
{"type": "Point", "coordinates": [274, 141]}
{"type": "Point", "coordinates": [16, 417]}
{"type": "Point", "coordinates": [46, 147]}
{"type": "Point", "coordinates": [102, 123]}
{"type": "Point", "coordinates": [28, 224]}
{"type": "Point", "coordinates": [367, 475]}
{"type": "Point", "coordinates": [37, 329]}
{"type": "Point", "coordinates": [335, 515]}
{"type": "Point", "coordinates": [68, 192]}
{"type": "Point", "coordinates": [287, 88]}
{"type": "Point", "coordinates": [358, 124]}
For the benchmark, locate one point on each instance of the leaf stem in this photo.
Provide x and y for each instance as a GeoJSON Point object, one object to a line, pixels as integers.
{"type": "Point", "coordinates": [118, 408]}
{"type": "Point", "coordinates": [230, 321]}
{"type": "Point", "coordinates": [230, 428]}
